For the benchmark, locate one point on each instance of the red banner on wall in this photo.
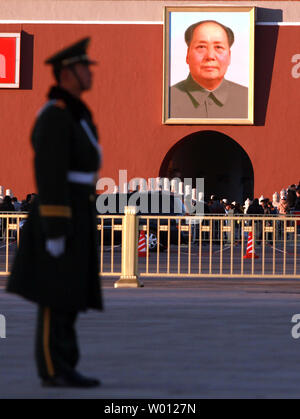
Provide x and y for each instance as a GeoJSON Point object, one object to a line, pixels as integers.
{"type": "Point", "coordinates": [9, 59]}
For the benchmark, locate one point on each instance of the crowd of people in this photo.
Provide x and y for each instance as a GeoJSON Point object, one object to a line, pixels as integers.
{"type": "Point", "coordinates": [12, 204]}
{"type": "Point", "coordinates": [285, 202]}
{"type": "Point", "coordinates": [9, 203]}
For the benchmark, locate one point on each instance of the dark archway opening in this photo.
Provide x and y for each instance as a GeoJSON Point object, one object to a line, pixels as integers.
{"type": "Point", "coordinates": [221, 161]}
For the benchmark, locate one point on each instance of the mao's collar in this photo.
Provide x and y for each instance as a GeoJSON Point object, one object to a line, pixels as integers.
{"type": "Point", "coordinates": [200, 95]}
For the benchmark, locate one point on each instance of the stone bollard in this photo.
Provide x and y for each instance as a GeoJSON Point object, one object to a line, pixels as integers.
{"type": "Point", "coordinates": [129, 277]}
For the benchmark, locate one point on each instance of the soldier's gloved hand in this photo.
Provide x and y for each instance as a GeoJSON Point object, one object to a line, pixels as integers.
{"type": "Point", "coordinates": [56, 247]}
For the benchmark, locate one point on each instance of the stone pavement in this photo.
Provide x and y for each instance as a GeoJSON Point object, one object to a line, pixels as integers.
{"type": "Point", "coordinates": [174, 339]}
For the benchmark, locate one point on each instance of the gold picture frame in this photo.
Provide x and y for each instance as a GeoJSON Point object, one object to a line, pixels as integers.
{"type": "Point", "coordinates": [185, 101]}
{"type": "Point", "coordinates": [15, 83]}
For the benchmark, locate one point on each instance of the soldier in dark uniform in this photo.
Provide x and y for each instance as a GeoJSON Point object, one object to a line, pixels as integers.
{"type": "Point", "coordinates": [56, 265]}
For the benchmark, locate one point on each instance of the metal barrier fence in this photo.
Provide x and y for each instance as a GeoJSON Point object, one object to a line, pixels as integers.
{"type": "Point", "coordinates": [210, 246]}
{"type": "Point", "coordinates": [182, 247]}
{"type": "Point", "coordinates": [214, 246]}
{"type": "Point", "coordinates": [110, 240]}
{"type": "Point", "coordinates": [10, 227]}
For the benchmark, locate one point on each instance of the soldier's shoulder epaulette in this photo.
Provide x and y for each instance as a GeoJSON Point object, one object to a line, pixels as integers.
{"type": "Point", "coordinates": [60, 104]}
{"type": "Point", "coordinates": [50, 104]}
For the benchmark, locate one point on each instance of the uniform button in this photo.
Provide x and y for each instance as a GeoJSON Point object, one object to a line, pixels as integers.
{"type": "Point", "coordinates": [92, 198]}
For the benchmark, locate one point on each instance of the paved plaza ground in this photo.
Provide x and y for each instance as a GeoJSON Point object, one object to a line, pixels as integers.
{"type": "Point", "coordinates": [176, 339]}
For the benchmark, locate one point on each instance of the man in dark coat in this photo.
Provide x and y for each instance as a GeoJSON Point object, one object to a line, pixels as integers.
{"type": "Point", "coordinates": [56, 265]}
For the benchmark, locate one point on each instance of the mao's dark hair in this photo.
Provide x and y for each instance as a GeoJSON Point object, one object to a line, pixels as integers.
{"type": "Point", "coordinates": [190, 31]}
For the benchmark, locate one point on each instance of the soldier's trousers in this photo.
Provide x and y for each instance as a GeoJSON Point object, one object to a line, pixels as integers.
{"type": "Point", "coordinates": [56, 349]}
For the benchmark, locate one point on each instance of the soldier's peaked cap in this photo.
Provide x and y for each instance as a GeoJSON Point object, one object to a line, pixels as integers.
{"type": "Point", "coordinates": [73, 54]}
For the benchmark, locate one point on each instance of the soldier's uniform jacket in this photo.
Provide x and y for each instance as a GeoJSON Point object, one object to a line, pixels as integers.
{"type": "Point", "coordinates": [67, 158]}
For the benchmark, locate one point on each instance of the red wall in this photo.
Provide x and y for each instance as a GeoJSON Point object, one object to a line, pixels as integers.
{"type": "Point", "coordinates": [127, 98]}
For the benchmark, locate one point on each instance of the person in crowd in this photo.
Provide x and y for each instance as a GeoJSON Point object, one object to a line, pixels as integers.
{"type": "Point", "coordinates": [276, 199]}
{"type": "Point", "coordinates": [25, 203]}
{"type": "Point", "coordinates": [256, 209]}
{"type": "Point", "coordinates": [229, 209]}
{"type": "Point", "coordinates": [7, 204]}
{"type": "Point", "coordinates": [238, 209]}
{"type": "Point", "coordinates": [16, 203]}
{"type": "Point", "coordinates": [283, 207]}
{"type": "Point", "coordinates": [216, 207]}
{"type": "Point", "coordinates": [247, 204]}
{"type": "Point", "coordinates": [267, 211]}
{"type": "Point", "coordinates": [297, 202]}
{"type": "Point", "coordinates": [291, 197]}
{"type": "Point", "coordinates": [261, 199]}
{"type": "Point", "coordinates": [264, 204]}
{"type": "Point", "coordinates": [297, 206]}
{"type": "Point", "coordinates": [272, 209]}
{"type": "Point", "coordinates": [56, 265]}
{"type": "Point", "coordinates": [283, 193]}
{"type": "Point", "coordinates": [224, 202]}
